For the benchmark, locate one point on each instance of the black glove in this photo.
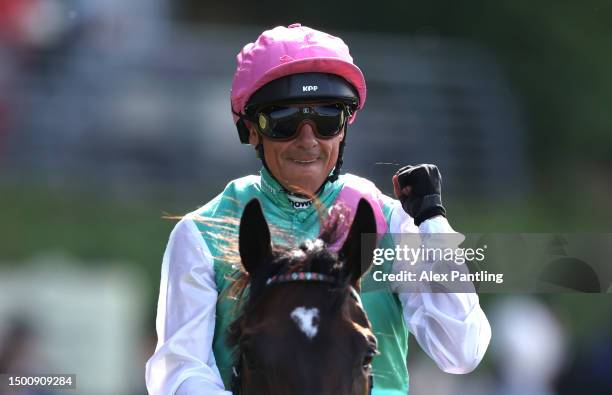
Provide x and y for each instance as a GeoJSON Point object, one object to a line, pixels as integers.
{"type": "Point", "coordinates": [424, 199]}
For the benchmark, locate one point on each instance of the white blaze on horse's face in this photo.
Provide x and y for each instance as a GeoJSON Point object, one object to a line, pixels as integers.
{"type": "Point", "coordinates": [306, 320]}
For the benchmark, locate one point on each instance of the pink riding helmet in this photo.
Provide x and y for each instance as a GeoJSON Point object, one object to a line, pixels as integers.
{"type": "Point", "coordinates": [291, 50]}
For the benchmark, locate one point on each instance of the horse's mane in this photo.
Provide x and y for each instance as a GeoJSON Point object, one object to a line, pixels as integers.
{"type": "Point", "coordinates": [310, 256]}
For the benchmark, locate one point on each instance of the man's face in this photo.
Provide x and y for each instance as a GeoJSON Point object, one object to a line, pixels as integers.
{"type": "Point", "coordinates": [301, 165]}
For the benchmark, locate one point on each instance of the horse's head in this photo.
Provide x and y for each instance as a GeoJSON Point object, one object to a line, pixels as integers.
{"type": "Point", "coordinates": [303, 329]}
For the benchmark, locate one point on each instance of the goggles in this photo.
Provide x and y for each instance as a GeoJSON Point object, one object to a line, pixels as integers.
{"type": "Point", "coordinates": [282, 122]}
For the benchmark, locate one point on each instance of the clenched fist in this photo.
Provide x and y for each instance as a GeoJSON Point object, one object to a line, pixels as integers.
{"type": "Point", "coordinates": [420, 191]}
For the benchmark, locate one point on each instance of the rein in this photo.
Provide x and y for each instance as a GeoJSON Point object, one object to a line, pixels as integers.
{"type": "Point", "coordinates": [236, 385]}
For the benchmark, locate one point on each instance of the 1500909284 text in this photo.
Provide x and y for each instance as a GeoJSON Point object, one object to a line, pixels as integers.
{"type": "Point", "coordinates": [48, 381]}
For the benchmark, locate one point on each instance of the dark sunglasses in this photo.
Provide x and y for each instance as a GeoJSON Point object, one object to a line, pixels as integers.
{"type": "Point", "coordinates": [282, 122]}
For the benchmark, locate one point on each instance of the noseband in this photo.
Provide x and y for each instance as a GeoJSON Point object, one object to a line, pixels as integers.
{"type": "Point", "coordinates": [236, 385]}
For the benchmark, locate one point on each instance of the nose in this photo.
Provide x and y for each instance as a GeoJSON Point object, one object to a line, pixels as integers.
{"type": "Point", "coordinates": [306, 136]}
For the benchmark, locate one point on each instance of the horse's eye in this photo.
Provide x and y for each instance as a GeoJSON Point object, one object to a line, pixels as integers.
{"type": "Point", "coordinates": [367, 359]}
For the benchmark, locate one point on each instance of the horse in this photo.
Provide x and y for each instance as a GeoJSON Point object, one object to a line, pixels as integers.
{"type": "Point", "coordinates": [303, 329]}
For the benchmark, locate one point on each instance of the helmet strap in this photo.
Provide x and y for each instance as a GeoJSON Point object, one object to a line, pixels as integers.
{"type": "Point", "coordinates": [336, 173]}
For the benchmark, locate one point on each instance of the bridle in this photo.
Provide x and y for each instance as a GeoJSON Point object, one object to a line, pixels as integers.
{"type": "Point", "coordinates": [236, 384]}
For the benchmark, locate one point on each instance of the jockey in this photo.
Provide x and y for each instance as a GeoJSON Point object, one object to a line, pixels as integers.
{"type": "Point", "coordinates": [294, 93]}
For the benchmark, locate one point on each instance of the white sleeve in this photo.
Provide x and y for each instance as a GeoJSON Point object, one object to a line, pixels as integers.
{"type": "Point", "coordinates": [450, 327]}
{"type": "Point", "coordinates": [183, 362]}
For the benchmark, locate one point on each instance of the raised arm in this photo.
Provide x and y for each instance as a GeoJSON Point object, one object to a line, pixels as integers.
{"type": "Point", "coordinates": [450, 327]}
{"type": "Point", "coordinates": [183, 362]}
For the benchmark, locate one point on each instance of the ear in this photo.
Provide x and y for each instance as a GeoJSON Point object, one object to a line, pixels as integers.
{"type": "Point", "coordinates": [358, 251]}
{"type": "Point", "coordinates": [253, 135]}
{"type": "Point", "coordinates": [254, 240]}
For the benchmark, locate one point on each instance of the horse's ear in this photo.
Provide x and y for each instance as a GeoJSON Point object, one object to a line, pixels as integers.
{"type": "Point", "coordinates": [254, 240]}
{"type": "Point", "coordinates": [358, 251]}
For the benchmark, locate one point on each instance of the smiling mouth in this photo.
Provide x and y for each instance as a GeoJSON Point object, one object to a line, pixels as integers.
{"type": "Point", "coordinates": [305, 162]}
